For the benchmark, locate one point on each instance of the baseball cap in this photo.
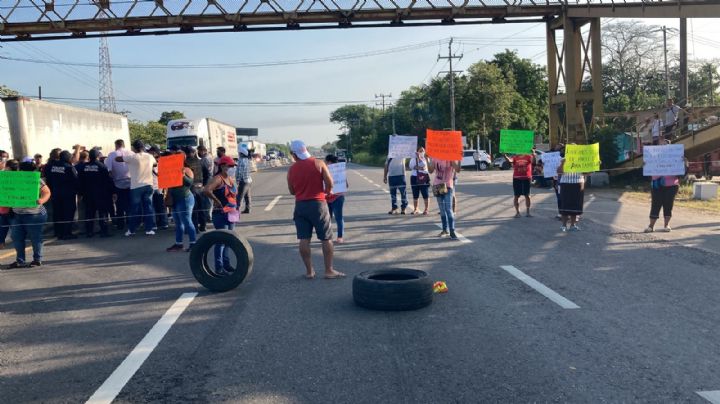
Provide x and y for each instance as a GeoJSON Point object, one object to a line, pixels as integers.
{"type": "Point", "coordinates": [298, 147]}
{"type": "Point", "coordinates": [227, 160]}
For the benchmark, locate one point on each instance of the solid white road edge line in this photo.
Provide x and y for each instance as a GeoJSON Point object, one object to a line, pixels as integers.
{"type": "Point", "coordinates": [711, 396]}
{"type": "Point", "coordinates": [117, 380]}
{"type": "Point", "coordinates": [272, 203]}
{"type": "Point", "coordinates": [544, 290]}
{"type": "Point", "coordinates": [460, 237]}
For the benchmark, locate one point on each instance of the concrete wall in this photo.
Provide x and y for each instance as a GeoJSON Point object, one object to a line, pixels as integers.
{"type": "Point", "coordinates": [39, 126]}
{"type": "Point", "coordinates": [5, 143]}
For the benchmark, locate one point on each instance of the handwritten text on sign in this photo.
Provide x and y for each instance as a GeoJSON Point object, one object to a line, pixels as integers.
{"type": "Point", "coordinates": [581, 158]}
{"type": "Point", "coordinates": [402, 146]}
{"type": "Point", "coordinates": [551, 162]}
{"type": "Point", "coordinates": [170, 171]}
{"type": "Point", "coordinates": [664, 160]}
{"type": "Point", "coordinates": [444, 144]}
{"type": "Point", "coordinates": [19, 189]}
{"type": "Point", "coordinates": [516, 141]}
{"type": "Point", "coordinates": [339, 176]}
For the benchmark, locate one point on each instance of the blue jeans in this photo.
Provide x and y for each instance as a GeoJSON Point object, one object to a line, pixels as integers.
{"type": "Point", "coordinates": [182, 214]}
{"type": "Point", "coordinates": [336, 209]}
{"type": "Point", "coordinates": [446, 214]}
{"type": "Point", "coordinates": [4, 227]}
{"type": "Point", "coordinates": [397, 183]}
{"type": "Point", "coordinates": [28, 226]}
{"type": "Point", "coordinates": [220, 221]}
{"type": "Point", "coordinates": [141, 205]}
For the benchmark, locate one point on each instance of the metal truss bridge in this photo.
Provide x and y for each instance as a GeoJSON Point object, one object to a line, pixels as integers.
{"type": "Point", "coordinates": [23, 20]}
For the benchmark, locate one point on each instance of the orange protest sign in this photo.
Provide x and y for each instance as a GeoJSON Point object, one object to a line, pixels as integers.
{"type": "Point", "coordinates": [170, 171]}
{"type": "Point", "coordinates": [444, 144]}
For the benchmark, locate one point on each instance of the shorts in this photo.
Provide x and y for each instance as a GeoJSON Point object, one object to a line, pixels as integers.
{"type": "Point", "coordinates": [521, 186]}
{"type": "Point", "coordinates": [311, 215]}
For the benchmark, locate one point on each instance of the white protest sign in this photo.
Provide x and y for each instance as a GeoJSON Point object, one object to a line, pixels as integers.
{"type": "Point", "coordinates": [664, 160]}
{"type": "Point", "coordinates": [551, 162]}
{"type": "Point", "coordinates": [402, 146]}
{"type": "Point", "coordinates": [339, 176]}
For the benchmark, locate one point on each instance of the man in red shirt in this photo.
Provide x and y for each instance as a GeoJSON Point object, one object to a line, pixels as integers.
{"type": "Point", "coordinates": [522, 175]}
{"type": "Point", "coordinates": [309, 180]}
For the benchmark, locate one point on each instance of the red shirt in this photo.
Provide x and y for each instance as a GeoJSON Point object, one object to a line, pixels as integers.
{"type": "Point", "coordinates": [522, 167]}
{"type": "Point", "coordinates": [307, 181]}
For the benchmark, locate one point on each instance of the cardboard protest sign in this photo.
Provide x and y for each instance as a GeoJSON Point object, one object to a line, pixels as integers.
{"type": "Point", "coordinates": [551, 162]}
{"type": "Point", "coordinates": [402, 146]}
{"type": "Point", "coordinates": [582, 158]}
{"type": "Point", "coordinates": [19, 189]}
{"type": "Point", "coordinates": [170, 171]}
{"type": "Point", "coordinates": [516, 141]}
{"type": "Point", "coordinates": [339, 175]}
{"type": "Point", "coordinates": [444, 144]}
{"type": "Point", "coordinates": [664, 160]}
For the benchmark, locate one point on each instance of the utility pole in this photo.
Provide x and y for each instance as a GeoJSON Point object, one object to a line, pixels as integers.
{"type": "Point", "coordinates": [667, 71]}
{"type": "Point", "coordinates": [711, 91]}
{"type": "Point", "coordinates": [382, 96]}
{"type": "Point", "coordinates": [450, 57]}
{"type": "Point", "coordinates": [683, 63]}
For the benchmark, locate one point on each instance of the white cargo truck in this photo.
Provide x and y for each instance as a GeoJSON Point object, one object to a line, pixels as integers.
{"type": "Point", "coordinates": [206, 132]}
{"type": "Point", "coordinates": [30, 126]}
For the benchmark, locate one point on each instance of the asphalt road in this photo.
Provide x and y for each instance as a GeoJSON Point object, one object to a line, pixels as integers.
{"type": "Point", "coordinates": [645, 330]}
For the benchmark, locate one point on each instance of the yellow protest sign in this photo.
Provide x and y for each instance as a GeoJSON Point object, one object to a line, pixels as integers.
{"type": "Point", "coordinates": [582, 158]}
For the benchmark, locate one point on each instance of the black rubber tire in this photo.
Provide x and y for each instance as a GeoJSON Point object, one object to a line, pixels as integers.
{"type": "Point", "coordinates": [393, 289]}
{"type": "Point", "coordinates": [204, 274]}
{"type": "Point", "coordinates": [483, 166]}
{"type": "Point", "coordinates": [506, 165]}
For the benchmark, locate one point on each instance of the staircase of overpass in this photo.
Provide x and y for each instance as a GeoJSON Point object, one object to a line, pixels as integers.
{"type": "Point", "coordinates": [700, 134]}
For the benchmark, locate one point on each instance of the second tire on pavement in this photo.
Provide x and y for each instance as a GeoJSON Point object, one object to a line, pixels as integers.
{"type": "Point", "coordinates": [393, 289]}
{"type": "Point", "coordinates": [206, 275]}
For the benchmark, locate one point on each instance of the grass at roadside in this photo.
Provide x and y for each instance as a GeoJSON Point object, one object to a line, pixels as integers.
{"type": "Point", "coordinates": [684, 198]}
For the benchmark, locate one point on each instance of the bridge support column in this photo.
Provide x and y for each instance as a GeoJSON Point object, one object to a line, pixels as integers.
{"type": "Point", "coordinates": [574, 78]}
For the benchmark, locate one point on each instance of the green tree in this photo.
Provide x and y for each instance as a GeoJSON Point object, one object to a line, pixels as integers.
{"type": "Point", "coordinates": [150, 132]}
{"type": "Point", "coordinates": [168, 116]}
{"type": "Point", "coordinates": [7, 91]}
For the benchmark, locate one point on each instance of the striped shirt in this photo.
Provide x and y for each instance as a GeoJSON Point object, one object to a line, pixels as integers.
{"type": "Point", "coordinates": [572, 178]}
{"type": "Point", "coordinates": [242, 174]}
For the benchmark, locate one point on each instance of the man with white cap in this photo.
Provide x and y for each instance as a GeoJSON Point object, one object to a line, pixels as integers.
{"type": "Point", "coordinates": [243, 178]}
{"type": "Point", "coordinates": [310, 180]}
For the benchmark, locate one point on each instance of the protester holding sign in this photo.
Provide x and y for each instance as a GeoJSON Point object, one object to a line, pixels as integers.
{"type": "Point", "coordinates": [28, 222]}
{"type": "Point", "coordinates": [522, 175]}
{"type": "Point", "coordinates": [516, 141]}
{"type": "Point", "coordinates": [419, 179]}
{"type": "Point", "coordinates": [662, 193]}
{"type": "Point", "coordinates": [443, 190]}
{"type": "Point", "coordinates": [336, 200]}
{"type": "Point", "coordinates": [183, 202]}
{"type": "Point", "coordinates": [572, 195]}
{"type": "Point", "coordinates": [9, 165]}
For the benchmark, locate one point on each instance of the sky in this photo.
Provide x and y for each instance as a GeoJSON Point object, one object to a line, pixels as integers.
{"type": "Point", "coordinates": [357, 79]}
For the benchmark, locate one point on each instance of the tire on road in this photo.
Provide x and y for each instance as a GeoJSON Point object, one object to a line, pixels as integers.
{"type": "Point", "coordinates": [483, 166]}
{"type": "Point", "coordinates": [393, 289]}
{"type": "Point", "coordinates": [203, 271]}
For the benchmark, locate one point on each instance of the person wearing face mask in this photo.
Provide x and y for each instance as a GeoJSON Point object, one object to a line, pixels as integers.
{"type": "Point", "coordinates": [62, 178]}
{"type": "Point", "coordinates": [419, 179]}
{"type": "Point", "coordinates": [222, 190]}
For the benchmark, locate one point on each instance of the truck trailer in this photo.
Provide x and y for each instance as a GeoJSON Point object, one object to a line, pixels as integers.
{"type": "Point", "coordinates": [206, 132]}
{"type": "Point", "coordinates": [30, 126]}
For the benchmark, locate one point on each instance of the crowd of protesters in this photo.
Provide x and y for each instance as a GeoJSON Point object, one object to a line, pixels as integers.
{"type": "Point", "coordinates": [121, 190]}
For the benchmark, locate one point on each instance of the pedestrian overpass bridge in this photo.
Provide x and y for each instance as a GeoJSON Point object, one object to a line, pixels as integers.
{"type": "Point", "coordinates": [572, 27]}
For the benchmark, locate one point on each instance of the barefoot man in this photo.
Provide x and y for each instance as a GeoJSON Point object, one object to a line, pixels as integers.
{"type": "Point", "coordinates": [309, 180]}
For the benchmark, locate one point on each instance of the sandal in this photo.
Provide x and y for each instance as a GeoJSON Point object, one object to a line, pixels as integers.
{"type": "Point", "coordinates": [336, 275]}
{"type": "Point", "coordinates": [425, 213]}
{"type": "Point", "coordinates": [517, 215]}
{"type": "Point", "coordinates": [649, 230]}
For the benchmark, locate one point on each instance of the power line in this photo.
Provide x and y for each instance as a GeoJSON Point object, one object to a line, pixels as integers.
{"type": "Point", "coordinates": [220, 103]}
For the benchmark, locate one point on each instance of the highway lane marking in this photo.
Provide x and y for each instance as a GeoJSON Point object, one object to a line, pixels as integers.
{"type": "Point", "coordinates": [542, 289]}
{"type": "Point", "coordinates": [711, 396]}
{"type": "Point", "coordinates": [119, 378]}
{"type": "Point", "coordinates": [272, 203]}
{"type": "Point", "coordinates": [460, 237]}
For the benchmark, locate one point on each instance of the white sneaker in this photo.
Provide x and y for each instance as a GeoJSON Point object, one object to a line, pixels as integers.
{"type": "Point", "coordinates": [563, 229]}
{"type": "Point", "coordinates": [149, 233]}
{"type": "Point", "coordinates": [667, 229]}
{"type": "Point", "coordinates": [129, 233]}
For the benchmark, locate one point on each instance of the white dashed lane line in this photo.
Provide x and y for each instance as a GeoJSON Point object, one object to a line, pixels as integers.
{"type": "Point", "coordinates": [106, 393]}
{"type": "Point", "coordinates": [711, 396]}
{"type": "Point", "coordinates": [272, 203]}
{"type": "Point", "coordinates": [542, 289]}
{"type": "Point", "coordinates": [460, 237]}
